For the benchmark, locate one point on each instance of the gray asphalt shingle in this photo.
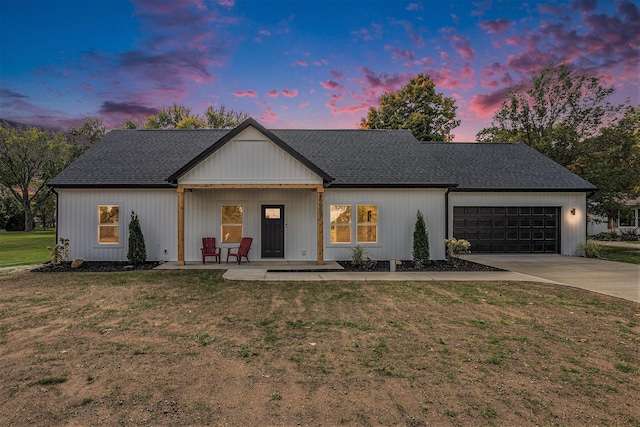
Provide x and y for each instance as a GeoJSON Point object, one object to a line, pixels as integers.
{"type": "Point", "coordinates": [356, 158]}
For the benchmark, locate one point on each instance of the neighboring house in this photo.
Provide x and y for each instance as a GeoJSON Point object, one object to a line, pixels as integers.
{"type": "Point", "coordinates": [628, 220]}
{"type": "Point", "coordinates": [314, 194]}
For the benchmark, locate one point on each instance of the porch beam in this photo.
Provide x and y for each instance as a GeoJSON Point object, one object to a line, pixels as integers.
{"type": "Point", "coordinates": [320, 232]}
{"type": "Point", "coordinates": [180, 226]}
{"type": "Point", "coordinates": [248, 186]}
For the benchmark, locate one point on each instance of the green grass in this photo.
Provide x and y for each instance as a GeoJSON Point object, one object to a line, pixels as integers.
{"type": "Point", "coordinates": [20, 248]}
{"type": "Point", "coordinates": [621, 254]}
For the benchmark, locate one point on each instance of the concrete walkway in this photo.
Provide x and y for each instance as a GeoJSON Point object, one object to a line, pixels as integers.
{"type": "Point", "coordinates": [613, 278]}
{"type": "Point", "coordinates": [617, 279]}
{"type": "Point", "coordinates": [310, 271]}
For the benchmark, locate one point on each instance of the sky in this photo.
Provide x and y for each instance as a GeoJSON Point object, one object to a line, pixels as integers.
{"type": "Point", "coordinates": [299, 63]}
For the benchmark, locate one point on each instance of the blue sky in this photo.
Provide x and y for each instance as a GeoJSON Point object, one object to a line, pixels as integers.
{"type": "Point", "coordinates": [296, 64]}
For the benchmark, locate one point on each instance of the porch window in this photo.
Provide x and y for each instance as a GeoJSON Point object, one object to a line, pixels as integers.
{"type": "Point", "coordinates": [231, 229]}
{"type": "Point", "coordinates": [340, 223]}
{"type": "Point", "coordinates": [367, 227]}
{"type": "Point", "coordinates": [108, 224]}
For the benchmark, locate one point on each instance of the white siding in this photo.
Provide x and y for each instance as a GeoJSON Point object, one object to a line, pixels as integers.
{"type": "Point", "coordinates": [203, 216]}
{"type": "Point", "coordinates": [572, 227]}
{"type": "Point", "coordinates": [78, 221]}
{"type": "Point", "coordinates": [250, 158]}
{"type": "Point", "coordinates": [397, 210]}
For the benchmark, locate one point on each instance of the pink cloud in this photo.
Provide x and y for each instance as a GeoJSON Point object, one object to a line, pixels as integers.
{"type": "Point", "coordinates": [484, 105]}
{"type": "Point", "coordinates": [290, 93]}
{"type": "Point", "coordinates": [272, 94]}
{"type": "Point", "coordinates": [460, 43]}
{"type": "Point", "coordinates": [303, 105]}
{"type": "Point", "coordinates": [411, 32]}
{"type": "Point", "coordinates": [414, 6]}
{"type": "Point", "coordinates": [452, 79]}
{"type": "Point", "coordinates": [302, 63]}
{"type": "Point", "coordinates": [331, 85]}
{"type": "Point", "coordinates": [496, 26]}
{"type": "Point", "coordinates": [367, 34]}
{"type": "Point", "coordinates": [321, 63]}
{"type": "Point", "coordinates": [337, 74]}
{"type": "Point", "coordinates": [264, 32]}
{"type": "Point", "coordinates": [242, 94]}
{"type": "Point", "coordinates": [406, 55]}
{"type": "Point", "coordinates": [268, 116]}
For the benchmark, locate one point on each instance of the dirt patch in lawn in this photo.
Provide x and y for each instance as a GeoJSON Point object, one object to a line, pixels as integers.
{"type": "Point", "coordinates": [188, 348]}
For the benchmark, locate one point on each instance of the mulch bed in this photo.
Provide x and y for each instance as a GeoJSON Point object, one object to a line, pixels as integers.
{"type": "Point", "coordinates": [463, 265]}
{"type": "Point", "coordinates": [381, 266]}
{"type": "Point", "coordinates": [96, 267]}
{"type": "Point", "coordinates": [114, 266]}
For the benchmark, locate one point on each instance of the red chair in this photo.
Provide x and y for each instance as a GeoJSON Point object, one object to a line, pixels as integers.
{"type": "Point", "coordinates": [242, 251]}
{"type": "Point", "coordinates": [209, 248]}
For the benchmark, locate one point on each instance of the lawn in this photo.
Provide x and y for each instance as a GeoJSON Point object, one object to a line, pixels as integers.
{"type": "Point", "coordinates": [189, 348]}
{"type": "Point", "coordinates": [20, 248]}
{"type": "Point", "coordinates": [621, 254]}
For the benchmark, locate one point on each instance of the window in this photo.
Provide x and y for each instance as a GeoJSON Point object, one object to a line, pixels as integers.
{"type": "Point", "coordinates": [231, 229]}
{"type": "Point", "coordinates": [367, 227]}
{"type": "Point", "coordinates": [627, 218]}
{"type": "Point", "coordinates": [108, 224]}
{"type": "Point", "coordinates": [340, 223]}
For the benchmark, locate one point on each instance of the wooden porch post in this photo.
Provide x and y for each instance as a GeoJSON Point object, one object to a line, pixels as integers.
{"type": "Point", "coordinates": [320, 234]}
{"type": "Point", "coordinates": [180, 226]}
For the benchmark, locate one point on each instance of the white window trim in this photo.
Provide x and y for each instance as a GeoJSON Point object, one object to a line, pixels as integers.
{"type": "Point", "coordinates": [122, 225]}
{"type": "Point", "coordinates": [219, 241]}
{"type": "Point", "coordinates": [353, 224]}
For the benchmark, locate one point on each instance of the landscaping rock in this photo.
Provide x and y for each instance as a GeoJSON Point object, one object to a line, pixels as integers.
{"type": "Point", "coordinates": [77, 263]}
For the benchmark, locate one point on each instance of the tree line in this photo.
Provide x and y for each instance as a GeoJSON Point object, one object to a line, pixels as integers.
{"type": "Point", "coordinates": [563, 112]}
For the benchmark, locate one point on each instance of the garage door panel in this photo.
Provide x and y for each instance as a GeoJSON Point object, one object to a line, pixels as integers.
{"type": "Point", "coordinates": [508, 229]}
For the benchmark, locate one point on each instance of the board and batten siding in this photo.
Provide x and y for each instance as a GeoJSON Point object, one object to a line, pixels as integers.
{"type": "Point", "coordinates": [156, 208]}
{"type": "Point", "coordinates": [397, 209]}
{"type": "Point", "coordinates": [250, 158]}
{"type": "Point", "coordinates": [203, 211]}
{"type": "Point", "coordinates": [572, 227]}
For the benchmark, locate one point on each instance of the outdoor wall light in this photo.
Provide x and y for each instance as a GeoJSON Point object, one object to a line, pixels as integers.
{"type": "Point", "coordinates": [573, 211]}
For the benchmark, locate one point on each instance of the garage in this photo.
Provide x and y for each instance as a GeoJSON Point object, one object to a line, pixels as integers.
{"type": "Point", "coordinates": [512, 229]}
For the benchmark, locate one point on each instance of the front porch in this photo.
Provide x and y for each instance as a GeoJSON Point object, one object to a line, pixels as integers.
{"type": "Point", "coordinates": [282, 265]}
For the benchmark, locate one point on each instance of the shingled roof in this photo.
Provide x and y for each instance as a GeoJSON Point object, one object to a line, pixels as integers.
{"type": "Point", "coordinates": [343, 158]}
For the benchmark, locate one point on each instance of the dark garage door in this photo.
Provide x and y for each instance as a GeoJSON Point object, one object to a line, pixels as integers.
{"type": "Point", "coordinates": [508, 229]}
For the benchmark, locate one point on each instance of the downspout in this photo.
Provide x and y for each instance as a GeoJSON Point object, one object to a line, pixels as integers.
{"type": "Point", "coordinates": [53, 190]}
{"type": "Point", "coordinates": [586, 217]}
{"type": "Point", "coordinates": [446, 216]}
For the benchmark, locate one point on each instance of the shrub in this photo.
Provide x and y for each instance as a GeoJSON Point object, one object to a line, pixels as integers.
{"type": "Point", "coordinates": [589, 249]}
{"type": "Point", "coordinates": [629, 234]}
{"type": "Point", "coordinates": [606, 236]}
{"type": "Point", "coordinates": [60, 252]}
{"type": "Point", "coordinates": [421, 241]}
{"type": "Point", "coordinates": [137, 253]}
{"type": "Point", "coordinates": [456, 248]}
{"type": "Point", "coordinates": [15, 222]}
{"type": "Point", "coordinates": [360, 258]}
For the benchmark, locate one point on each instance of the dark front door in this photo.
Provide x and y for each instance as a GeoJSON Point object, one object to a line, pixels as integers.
{"type": "Point", "coordinates": [272, 231]}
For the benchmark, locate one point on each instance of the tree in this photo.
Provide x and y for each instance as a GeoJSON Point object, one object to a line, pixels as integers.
{"type": "Point", "coordinates": [179, 117]}
{"type": "Point", "coordinates": [554, 113]}
{"type": "Point", "coordinates": [566, 115]}
{"type": "Point", "coordinates": [29, 158]}
{"type": "Point", "coordinates": [421, 251]}
{"type": "Point", "coordinates": [83, 134]}
{"type": "Point", "coordinates": [223, 118]}
{"type": "Point", "coordinates": [137, 253]}
{"type": "Point", "coordinates": [429, 115]}
{"type": "Point", "coordinates": [611, 162]}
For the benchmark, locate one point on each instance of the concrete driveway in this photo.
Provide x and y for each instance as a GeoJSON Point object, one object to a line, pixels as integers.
{"type": "Point", "coordinates": [617, 279]}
